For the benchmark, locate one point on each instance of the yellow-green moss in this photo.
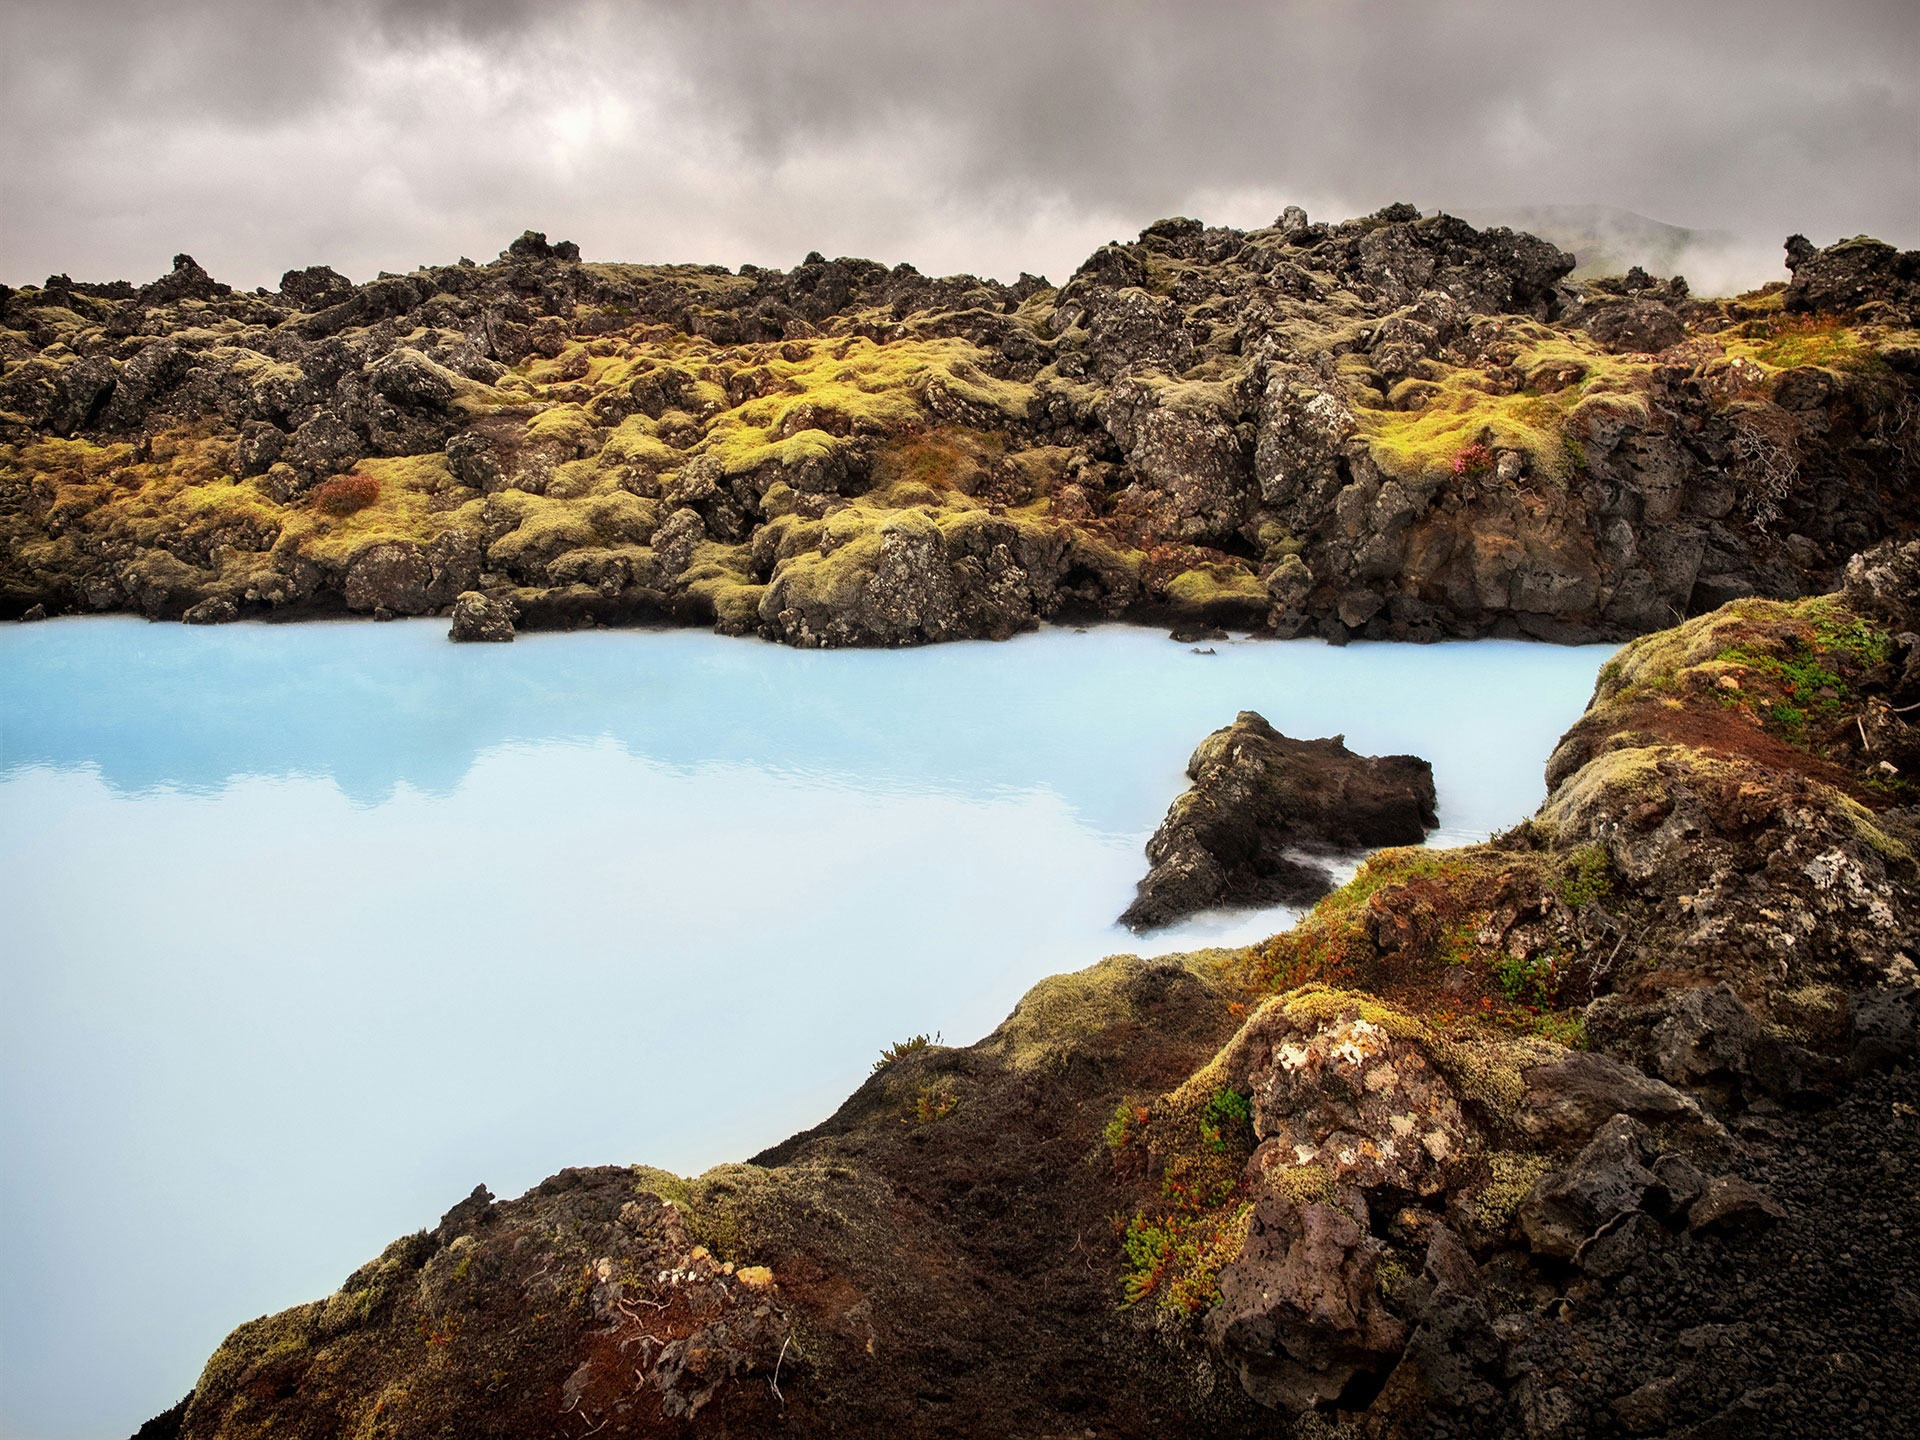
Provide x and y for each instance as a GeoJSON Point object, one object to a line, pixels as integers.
{"type": "Point", "coordinates": [1628, 773]}
{"type": "Point", "coordinates": [1513, 1175]}
{"type": "Point", "coordinates": [1215, 583]}
{"type": "Point", "coordinates": [858, 387]}
{"type": "Point", "coordinates": [1894, 852]}
{"type": "Point", "coordinates": [1544, 420]}
{"type": "Point", "coordinates": [718, 575]}
{"type": "Point", "coordinates": [402, 511]}
{"type": "Point", "coordinates": [1064, 1011]}
{"type": "Point", "coordinates": [1789, 342]}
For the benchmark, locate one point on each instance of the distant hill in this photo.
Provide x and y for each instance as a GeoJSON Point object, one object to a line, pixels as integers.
{"type": "Point", "coordinates": [1606, 240]}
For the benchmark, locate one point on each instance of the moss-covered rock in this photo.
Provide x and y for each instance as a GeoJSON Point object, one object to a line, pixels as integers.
{"type": "Point", "coordinates": [1274, 430]}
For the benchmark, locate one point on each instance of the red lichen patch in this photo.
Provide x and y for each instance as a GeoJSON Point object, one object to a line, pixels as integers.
{"type": "Point", "coordinates": [345, 494]}
{"type": "Point", "coordinates": [1734, 734]}
{"type": "Point", "coordinates": [946, 458]}
{"type": "Point", "coordinates": [1163, 562]}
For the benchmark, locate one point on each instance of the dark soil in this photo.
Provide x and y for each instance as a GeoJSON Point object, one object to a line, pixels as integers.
{"type": "Point", "coordinates": [1806, 1329]}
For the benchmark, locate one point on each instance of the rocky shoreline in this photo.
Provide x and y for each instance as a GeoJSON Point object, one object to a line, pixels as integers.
{"type": "Point", "coordinates": [1607, 1126]}
{"type": "Point", "coordinates": [1393, 427]}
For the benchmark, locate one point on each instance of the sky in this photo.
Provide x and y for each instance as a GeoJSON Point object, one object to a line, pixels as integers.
{"type": "Point", "coordinates": [994, 137]}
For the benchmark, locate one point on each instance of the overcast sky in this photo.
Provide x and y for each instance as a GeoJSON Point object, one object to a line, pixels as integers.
{"type": "Point", "coordinates": [993, 137]}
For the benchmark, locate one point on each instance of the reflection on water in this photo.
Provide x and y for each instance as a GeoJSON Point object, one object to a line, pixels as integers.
{"type": "Point", "coordinates": [310, 928]}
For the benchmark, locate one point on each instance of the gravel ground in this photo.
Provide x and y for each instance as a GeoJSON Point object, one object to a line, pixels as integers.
{"type": "Point", "coordinates": [1805, 1329]}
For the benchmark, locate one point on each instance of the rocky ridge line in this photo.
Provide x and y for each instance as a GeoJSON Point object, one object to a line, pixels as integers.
{"type": "Point", "coordinates": [1393, 427]}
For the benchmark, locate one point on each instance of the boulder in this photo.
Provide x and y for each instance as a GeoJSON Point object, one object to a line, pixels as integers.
{"type": "Point", "coordinates": [1606, 1181]}
{"type": "Point", "coordinates": [676, 538]}
{"type": "Point", "coordinates": [1571, 1096]}
{"type": "Point", "coordinates": [406, 377]}
{"type": "Point", "coordinates": [1636, 326]}
{"type": "Point", "coordinates": [1262, 804]}
{"type": "Point", "coordinates": [314, 288]}
{"type": "Point", "coordinates": [1346, 1096]}
{"type": "Point", "coordinates": [325, 445]}
{"type": "Point", "coordinates": [1884, 1028]}
{"type": "Point", "coordinates": [1730, 1203]}
{"type": "Point", "coordinates": [81, 393]}
{"type": "Point", "coordinates": [1851, 274]}
{"type": "Point", "coordinates": [214, 610]}
{"type": "Point", "coordinates": [479, 617]}
{"type": "Point", "coordinates": [391, 576]}
{"type": "Point", "coordinates": [259, 446]}
{"type": "Point", "coordinates": [1188, 453]}
{"type": "Point", "coordinates": [1300, 1310]}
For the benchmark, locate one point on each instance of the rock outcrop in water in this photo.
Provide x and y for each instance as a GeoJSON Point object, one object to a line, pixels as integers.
{"type": "Point", "coordinates": [481, 617]}
{"type": "Point", "coordinates": [1605, 1126]}
{"type": "Point", "coordinates": [1261, 807]}
{"type": "Point", "coordinates": [1391, 427]}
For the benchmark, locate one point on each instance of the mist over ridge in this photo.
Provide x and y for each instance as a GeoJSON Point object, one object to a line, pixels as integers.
{"type": "Point", "coordinates": [384, 134]}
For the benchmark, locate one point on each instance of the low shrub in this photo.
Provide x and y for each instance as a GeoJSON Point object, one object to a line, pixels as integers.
{"type": "Point", "coordinates": [1473, 462]}
{"type": "Point", "coordinates": [902, 1048]}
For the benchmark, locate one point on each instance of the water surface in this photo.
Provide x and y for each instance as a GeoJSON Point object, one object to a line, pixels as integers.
{"type": "Point", "coordinates": [307, 929]}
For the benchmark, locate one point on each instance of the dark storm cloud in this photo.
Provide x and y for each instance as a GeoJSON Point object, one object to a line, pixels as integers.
{"type": "Point", "coordinates": [991, 136]}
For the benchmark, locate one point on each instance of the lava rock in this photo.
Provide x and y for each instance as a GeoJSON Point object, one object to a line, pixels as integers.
{"type": "Point", "coordinates": [1885, 1028]}
{"type": "Point", "coordinates": [315, 288]}
{"type": "Point", "coordinates": [1570, 1096]}
{"type": "Point", "coordinates": [214, 610]}
{"type": "Point", "coordinates": [1608, 1179]}
{"type": "Point", "coordinates": [393, 576]}
{"type": "Point", "coordinates": [1259, 802]}
{"type": "Point", "coordinates": [1850, 274]}
{"type": "Point", "coordinates": [478, 617]}
{"type": "Point", "coordinates": [1639, 326]}
{"type": "Point", "coordinates": [1732, 1203]}
{"type": "Point", "coordinates": [1300, 1310]}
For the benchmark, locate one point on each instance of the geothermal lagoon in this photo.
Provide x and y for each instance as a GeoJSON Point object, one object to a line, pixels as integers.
{"type": "Point", "coordinates": [308, 929]}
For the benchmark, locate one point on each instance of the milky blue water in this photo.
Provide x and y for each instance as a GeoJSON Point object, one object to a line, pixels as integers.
{"type": "Point", "coordinates": [305, 930]}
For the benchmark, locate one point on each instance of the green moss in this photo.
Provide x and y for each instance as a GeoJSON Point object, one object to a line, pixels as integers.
{"type": "Point", "coordinates": [648, 1180]}
{"type": "Point", "coordinates": [1890, 850]}
{"type": "Point", "coordinates": [1212, 584]}
{"type": "Point", "coordinates": [1063, 1012]}
{"type": "Point", "coordinates": [258, 1342]}
{"type": "Point", "coordinates": [1586, 875]}
{"type": "Point", "coordinates": [1607, 783]}
{"type": "Point", "coordinates": [1569, 382]}
{"type": "Point", "coordinates": [568, 424]}
{"type": "Point", "coordinates": [1561, 1029]}
{"type": "Point", "coordinates": [1790, 342]}
{"type": "Point", "coordinates": [719, 575]}
{"type": "Point", "coordinates": [855, 388]}
{"type": "Point", "coordinates": [1512, 1178]}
